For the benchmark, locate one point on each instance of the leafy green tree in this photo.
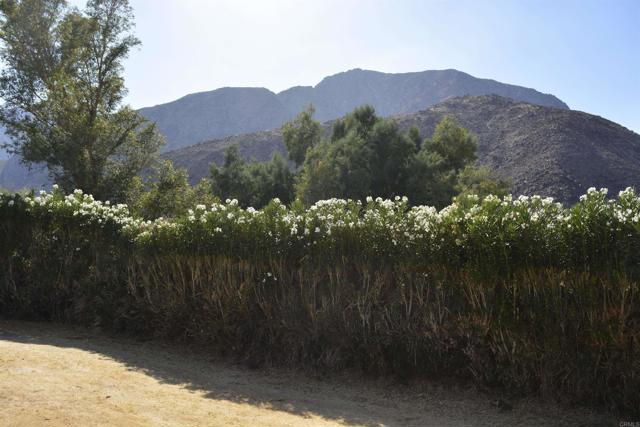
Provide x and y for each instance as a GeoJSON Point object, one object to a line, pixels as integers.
{"type": "Point", "coordinates": [367, 155]}
{"type": "Point", "coordinates": [252, 183]}
{"type": "Point", "coordinates": [336, 169]}
{"type": "Point", "coordinates": [167, 194]}
{"type": "Point", "coordinates": [62, 88]}
{"type": "Point", "coordinates": [272, 180]}
{"type": "Point", "coordinates": [430, 182]}
{"type": "Point", "coordinates": [393, 160]}
{"type": "Point", "coordinates": [481, 181]}
{"type": "Point", "coordinates": [232, 180]}
{"type": "Point", "coordinates": [301, 134]}
{"type": "Point", "coordinates": [453, 143]}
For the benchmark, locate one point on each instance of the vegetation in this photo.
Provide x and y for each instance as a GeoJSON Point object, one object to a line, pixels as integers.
{"type": "Point", "coordinates": [520, 293]}
{"type": "Point", "coordinates": [364, 155]}
{"type": "Point", "coordinates": [166, 193]}
{"type": "Point", "coordinates": [62, 88]}
{"type": "Point", "coordinates": [252, 184]}
{"type": "Point", "coordinates": [301, 134]}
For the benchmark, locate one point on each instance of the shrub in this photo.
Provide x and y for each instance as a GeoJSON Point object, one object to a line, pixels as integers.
{"type": "Point", "coordinates": [520, 293]}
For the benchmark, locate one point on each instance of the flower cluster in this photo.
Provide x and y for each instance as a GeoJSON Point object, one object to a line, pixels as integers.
{"type": "Point", "coordinates": [522, 227]}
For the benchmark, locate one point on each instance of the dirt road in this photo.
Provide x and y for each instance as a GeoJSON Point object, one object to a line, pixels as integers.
{"type": "Point", "coordinates": [53, 375]}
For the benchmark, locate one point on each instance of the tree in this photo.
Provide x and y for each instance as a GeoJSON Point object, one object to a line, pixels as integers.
{"type": "Point", "coordinates": [453, 143]}
{"type": "Point", "coordinates": [368, 155]}
{"type": "Point", "coordinates": [336, 169]}
{"type": "Point", "coordinates": [62, 88]}
{"type": "Point", "coordinates": [252, 184]}
{"type": "Point", "coordinates": [301, 134]}
{"type": "Point", "coordinates": [482, 182]}
{"type": "Point", "coordinates": [231, 181]}
{"type": "Point", "coordinates": [167, 194]}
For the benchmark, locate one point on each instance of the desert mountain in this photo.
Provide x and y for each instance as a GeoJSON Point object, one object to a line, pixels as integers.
{"type": "Point", "coordinates": [543, 150]}
{"type": "Point", "coordinates": [232, 111]}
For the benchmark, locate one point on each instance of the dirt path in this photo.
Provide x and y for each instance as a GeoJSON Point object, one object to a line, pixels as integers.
{"type": "Point", "coordinates": [52, 375]}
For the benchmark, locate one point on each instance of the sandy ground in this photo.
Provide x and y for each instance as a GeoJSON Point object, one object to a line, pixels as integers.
{"type": "Point", "coordinates": [52, 375]}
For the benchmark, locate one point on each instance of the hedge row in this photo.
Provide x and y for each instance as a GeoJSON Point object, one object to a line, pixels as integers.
{"type": "Point", "coordinates": [518, 293]}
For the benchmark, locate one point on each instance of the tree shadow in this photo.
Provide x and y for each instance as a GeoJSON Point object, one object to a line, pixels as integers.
{"type": "Point", "coordinates": [360, 403]}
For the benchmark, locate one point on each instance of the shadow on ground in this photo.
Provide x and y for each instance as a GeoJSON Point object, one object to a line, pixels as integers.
{"type": "Point", "coordinates": [357, 402]}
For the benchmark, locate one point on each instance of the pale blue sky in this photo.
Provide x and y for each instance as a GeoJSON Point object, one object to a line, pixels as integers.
{"type": "Point", "coordinates": [586, 52]}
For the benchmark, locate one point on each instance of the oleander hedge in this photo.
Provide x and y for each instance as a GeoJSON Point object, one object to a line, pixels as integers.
{"type": "Point", "coordinates": [517, 293]}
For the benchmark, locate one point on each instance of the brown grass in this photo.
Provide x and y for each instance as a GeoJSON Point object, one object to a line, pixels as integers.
{"type": "Point", "coordinates": [59, 376]}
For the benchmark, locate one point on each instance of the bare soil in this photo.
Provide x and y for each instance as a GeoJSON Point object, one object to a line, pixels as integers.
{"type": "Point", "coordinates": [53, 375]}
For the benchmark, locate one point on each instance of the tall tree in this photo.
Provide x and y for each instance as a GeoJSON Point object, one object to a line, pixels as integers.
{"type": "Point", "coordinates": [453, 143]}
{"type": "Point", "coordinates": [301, 134]}
{"type": "Point", "coordinates": [62, 88]}
{"type": "Point", "coordinates": [368, 155]}
{"type": "Point", "coordinates": [167, 193]}
{"type": "Point", "coordinates": [252, 183]}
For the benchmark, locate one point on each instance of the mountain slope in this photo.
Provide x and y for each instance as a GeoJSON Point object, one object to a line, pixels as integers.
{"type": "Point", "coordinates": [547, 151]}
{"type": "Point", "coordinates": [400, 93]}
{"type": "Point", "coordinates": [16, 176]}
{"type": "Point", "coordinates": [232, 111]}
{"type": "Point", "coordinates": [215, 114]}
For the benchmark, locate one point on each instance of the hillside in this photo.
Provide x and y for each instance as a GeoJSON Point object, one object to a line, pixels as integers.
{"type": "Point", "coordinates": [232, 111]}
{"type": "Point", "coordinates": [16, 176]}
{"type": "Point", "coordinates": [219, 113]}
{"type": "Point", "coordinates": [548, 151]}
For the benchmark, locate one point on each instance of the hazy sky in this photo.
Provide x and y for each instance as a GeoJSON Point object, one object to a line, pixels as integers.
{"type": "Point", "coordinates": [586, 52]}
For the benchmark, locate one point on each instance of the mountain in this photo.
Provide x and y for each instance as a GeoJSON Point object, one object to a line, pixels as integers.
{"type": "Point", "coordinates": [232, 111]}
{"type": "Point", "coordinates": [400, 93]}
{"type": "Point", "coordinates": [215, 114]}
{"type": "Point", "coordinates": [16, 176]}
{"type": "Point", "coordinates": [542, 150]}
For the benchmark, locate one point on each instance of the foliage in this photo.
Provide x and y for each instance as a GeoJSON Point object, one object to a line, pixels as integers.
{"type": "Point", "coordinates": [301, 134]}
{"type": "Point", "coordinates": [452, 144]}
{"type": "Point", "coordinates": [168, 194]}
{"type": "Point", "coordinates": [482, 182]}
{"type": "Point", "coordinates": [521, 293]}
{"type": "Point", "coordinates": [369, 155]}
{"type": "Point", "coordinates": [254, 183]}
{"type": "Point", "coordinates": [62, 88]}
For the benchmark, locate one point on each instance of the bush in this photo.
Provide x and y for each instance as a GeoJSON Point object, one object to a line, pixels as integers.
{"type": "Point", "coordinates": [519, 293]}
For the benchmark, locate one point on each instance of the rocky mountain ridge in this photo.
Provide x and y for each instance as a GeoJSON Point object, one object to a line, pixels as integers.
{"type": "Point", "coordinates": [233, 111]}
{"type": "Point", "coordinates": [542, 150]}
